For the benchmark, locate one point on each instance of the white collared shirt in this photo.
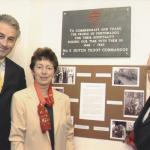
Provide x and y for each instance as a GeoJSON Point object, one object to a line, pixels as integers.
{"type": "Point", "coordinates": [2, 69]}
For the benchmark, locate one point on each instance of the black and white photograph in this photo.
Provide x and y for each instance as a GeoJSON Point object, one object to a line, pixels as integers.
{"type": "Point", "coordinates": [133, 102]}
{"type": "Point", "coordinates": [129, 126]}
{"type": "Point", "coordinates": [118, 129]}
{"type": "Point", "coordinates": [125, 76]}
{"type": "Point", "coordinates": [65, 75]}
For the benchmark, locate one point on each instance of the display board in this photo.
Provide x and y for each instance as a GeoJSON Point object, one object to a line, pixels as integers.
{"type": "Point", "coordinates": [105, 99]}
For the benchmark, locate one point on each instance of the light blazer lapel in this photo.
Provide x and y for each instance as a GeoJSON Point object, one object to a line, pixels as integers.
{"type": "Point", "coordinates": [56, 106]}
{"type": "Point", "coordinates": [56, 110]}
{"type": "Point", "coordinates": [33, 95]}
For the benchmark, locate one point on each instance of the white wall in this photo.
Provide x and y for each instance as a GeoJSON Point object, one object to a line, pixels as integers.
{"type": "Point", "coordinates": [41, 25]}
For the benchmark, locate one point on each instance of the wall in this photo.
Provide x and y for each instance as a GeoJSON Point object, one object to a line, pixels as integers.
{"type": "Point", "coordinates": [41, 25]}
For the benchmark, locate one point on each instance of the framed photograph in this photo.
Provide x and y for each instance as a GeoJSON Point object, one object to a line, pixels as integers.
{"type": "Point", "coordinates": [133, 102]}
{"type": "Point", "coordinates": [120, 128]}
{"type": "Point", "coordinates": [65, 75]}
{"type": "Point", "coordinates": [129, 127]}
{"type": "Point", "coordinates": [125, 76]}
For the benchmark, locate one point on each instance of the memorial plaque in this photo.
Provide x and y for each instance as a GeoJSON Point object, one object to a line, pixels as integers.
{"type": "Point", "coordinates": [102, 32]}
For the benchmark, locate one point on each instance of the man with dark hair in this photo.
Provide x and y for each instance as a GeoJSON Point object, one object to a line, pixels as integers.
{"type": "Point", "coordinates": [12, 76]}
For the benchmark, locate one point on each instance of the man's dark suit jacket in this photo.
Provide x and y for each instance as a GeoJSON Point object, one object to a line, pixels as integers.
{"type": "Point", "coordinates": [142, 129]}
{"type": "Point", "coordinates": [14, 80]}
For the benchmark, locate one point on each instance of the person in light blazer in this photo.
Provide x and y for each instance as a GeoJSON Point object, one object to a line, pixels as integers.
{"type": "Point", "coordinates": [40, 115]}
